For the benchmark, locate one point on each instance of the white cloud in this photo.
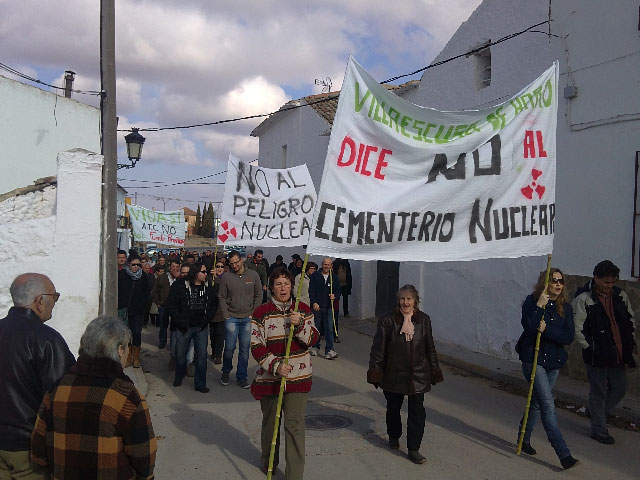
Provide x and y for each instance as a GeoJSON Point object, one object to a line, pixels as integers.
{"type": "Point", "coordinates": [199, 61]}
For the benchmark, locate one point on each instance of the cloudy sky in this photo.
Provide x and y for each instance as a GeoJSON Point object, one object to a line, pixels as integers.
{"type": "Point", "coordinates": [195, 61]}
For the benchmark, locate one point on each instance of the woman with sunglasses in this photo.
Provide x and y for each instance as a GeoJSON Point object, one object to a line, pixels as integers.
{"type": "Point", "coordinates": [192, 305]}
{"type": "Point", "coordinates": [548, 312]}
{"type": "Point", "coordinates": [133, 292]}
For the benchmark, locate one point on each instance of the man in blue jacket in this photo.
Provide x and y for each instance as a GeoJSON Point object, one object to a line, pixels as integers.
{"type": "Point", "coordinates": [34, 358]}
{"type": "Point", "coordinates": [604, 323]}
{"type": "Point", "coordinates": [321, 285]}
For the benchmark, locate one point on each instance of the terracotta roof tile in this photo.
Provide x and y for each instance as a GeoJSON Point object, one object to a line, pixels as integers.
{"type": "Point", "coordinates": [325, 104]}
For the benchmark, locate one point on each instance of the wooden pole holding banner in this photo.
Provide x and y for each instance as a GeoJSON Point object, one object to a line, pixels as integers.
{"type": "Point", "coordinates": [333, 312]}
{"type": "Point", "coordinates": [283, 381]}
{"type": "Point", "coordinates": [533, 368]}
{"type": "Point", "coordinates": [215, 257]}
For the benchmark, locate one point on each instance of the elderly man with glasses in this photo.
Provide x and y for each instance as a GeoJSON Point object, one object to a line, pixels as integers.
{"type": "Point", "coordinates": [34, 358]}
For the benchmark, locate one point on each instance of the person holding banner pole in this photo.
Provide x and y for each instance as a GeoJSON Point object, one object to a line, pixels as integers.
{"type": "Point", "coordinates": [335, 309]}
{"type": "Point", "coordinates": [271, 323]}
{"type": "Point", "coordinates": [547, 313]}
{"type": "Point", "coordinates": [323, 290]}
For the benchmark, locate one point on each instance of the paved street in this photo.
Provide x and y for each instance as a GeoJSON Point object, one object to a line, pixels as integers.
{"type": "Point", "coordinates": [470, 431]}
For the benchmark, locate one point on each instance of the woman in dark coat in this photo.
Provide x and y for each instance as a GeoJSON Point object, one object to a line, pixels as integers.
{"type": "Point", "coordinates": [403, 362]}
{"type": "Point", "coordinates": [557, 330]}
{"type": "Point", "coordinates": [133, 292]}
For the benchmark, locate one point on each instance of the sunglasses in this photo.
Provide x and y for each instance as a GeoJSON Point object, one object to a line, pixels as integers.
{"type": "Point", "coordinates": [135, 264]}
{"type": "Point", "coordinates": [559, 281]}
{"type": "Point", "coordinates": [203, 271]}
{"type": "Point", "coordinates": [55, 296]}
{"type": "Point", "coordinates": [219, 266]}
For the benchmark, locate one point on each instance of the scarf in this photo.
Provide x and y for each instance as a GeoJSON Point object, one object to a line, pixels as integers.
{"type": "Point", "coordinates": [282, 306]}
{"type": "Point", "coordinates": [407, 326]}
{"type": "Point", "coordinates": [134, 276]}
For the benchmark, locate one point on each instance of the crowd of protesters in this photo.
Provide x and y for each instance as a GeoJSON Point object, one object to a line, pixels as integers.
{"type": "Point", "coordinates": [68, 418]}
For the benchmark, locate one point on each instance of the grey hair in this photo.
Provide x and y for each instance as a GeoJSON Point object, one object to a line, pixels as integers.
{"type": "Point", "coordinates": [103, 336]}
{"type": "Point", "coordinates": [26, 288]}
{"type": "Point", "coordinates": [411, 289]}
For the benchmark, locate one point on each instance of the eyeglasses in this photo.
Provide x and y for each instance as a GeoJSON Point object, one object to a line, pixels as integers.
{"type": "Point", "coordinates": [235, 263]}
{"type": "Point", "coordinates": [55, 296]}
{"type": "Point", "coordinates": [135, 264]}
{"type": "Point", "coordinates": [559, 281]}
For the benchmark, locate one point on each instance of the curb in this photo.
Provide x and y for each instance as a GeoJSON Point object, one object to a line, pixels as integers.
{"type": "Point", "coordinates": [509, 372]}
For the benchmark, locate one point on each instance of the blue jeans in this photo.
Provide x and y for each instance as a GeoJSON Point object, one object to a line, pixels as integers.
{"type": "Point", "coordinates": [200, 339]}
{"type": "Point", "coordinates": [543, 406]}
{"type": "Point", "coordinates": [237, 330]}
{"type": "Point", "coordinates": [324, 323]}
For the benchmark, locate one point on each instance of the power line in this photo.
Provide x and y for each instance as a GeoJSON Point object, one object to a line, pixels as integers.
{"type": "Point", "coordinates": [332, 97]}
{"type": "Point", "coordinates": [17, 73]}
{"type": "Point", "coordinates": [185, 182]}
{"type": "Point", "coordinates": [133, 187]}
{"type": "Point", "coordinates": [293, 107]}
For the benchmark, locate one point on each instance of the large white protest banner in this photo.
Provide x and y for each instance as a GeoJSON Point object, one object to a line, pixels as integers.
{"type": "Point", "coordinates": [404, 182]}
{"type": "Point", "coordinates": [268, 207]}
{"type": "Point", "coordinates": [159, 227]}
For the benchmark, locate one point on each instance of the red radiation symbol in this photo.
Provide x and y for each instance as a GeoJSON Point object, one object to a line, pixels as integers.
{"type": "Point", "coordinates": [225, 236]}
{"type": "Point", "coordinates": [534, 186]}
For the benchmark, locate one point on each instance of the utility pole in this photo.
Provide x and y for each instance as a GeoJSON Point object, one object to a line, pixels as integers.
{"type": "Point", "coordinates": [108, 266]}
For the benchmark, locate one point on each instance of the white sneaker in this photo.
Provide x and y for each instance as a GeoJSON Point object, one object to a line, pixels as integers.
{"type": "Point", "coordinates": [313, 351]}
{"type": "Point", "coordinates": [331, 355]}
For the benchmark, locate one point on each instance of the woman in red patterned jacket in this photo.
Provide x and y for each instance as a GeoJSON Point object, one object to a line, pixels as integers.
{"type": "Point", "coordinates": [95, 423]}
{"type": "Point", "coordinates": [269, 333]}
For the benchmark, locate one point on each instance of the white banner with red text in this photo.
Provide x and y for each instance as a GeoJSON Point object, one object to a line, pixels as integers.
{"type": "Point", "coordinates": [167, 228]}
{"type": "Point", "coordinates": [403, 182]}
{"type": "Point", "coordinates": [266, 207]}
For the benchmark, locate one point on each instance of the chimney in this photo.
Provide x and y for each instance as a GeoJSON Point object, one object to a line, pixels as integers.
{"type": "Point", "coordinates": [68, 82]}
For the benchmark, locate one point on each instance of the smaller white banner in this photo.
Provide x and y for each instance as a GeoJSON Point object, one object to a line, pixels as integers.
{"type": "Point", "coordinates": [266, 207]}
{"type": "Point", "coordinates": [159, 227]}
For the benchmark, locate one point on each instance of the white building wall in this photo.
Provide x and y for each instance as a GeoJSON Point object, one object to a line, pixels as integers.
{"type": "Point", "coordinates": [477, 304]}
{"type": "Point", "coordinates": [301, 130]}
{"type": "Point", "coordinates": [595, 171]}
{"type": "Point", "coordinates": [35, 125]}
{"type": "Point", "coordinates": [57, 232]}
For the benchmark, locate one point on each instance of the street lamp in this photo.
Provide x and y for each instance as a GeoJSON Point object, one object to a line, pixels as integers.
{"type": "Point", "coordinates": [134, 148]}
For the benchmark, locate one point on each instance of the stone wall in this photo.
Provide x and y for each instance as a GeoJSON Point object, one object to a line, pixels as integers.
{"type": "Point", "coordinates": [57, 231]}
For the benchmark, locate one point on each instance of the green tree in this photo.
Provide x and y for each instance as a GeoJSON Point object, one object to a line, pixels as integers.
{"type": "Point", "coordinates": [198, 225]}
{"type": "Point", "coordinates": [210, 224]}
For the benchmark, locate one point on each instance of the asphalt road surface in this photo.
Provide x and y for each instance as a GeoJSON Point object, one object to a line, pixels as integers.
{"type": "Point", "coordinates": [470, 433]}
